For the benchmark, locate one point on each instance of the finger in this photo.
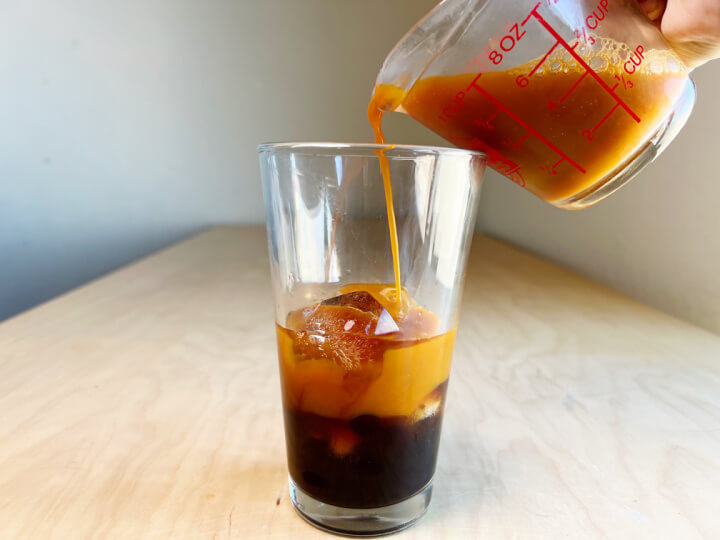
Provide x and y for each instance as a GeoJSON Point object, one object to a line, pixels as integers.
{"type": "Point", "coordinates": [652, 8]}
{"type": "Point", "coordinates": [693, 29]}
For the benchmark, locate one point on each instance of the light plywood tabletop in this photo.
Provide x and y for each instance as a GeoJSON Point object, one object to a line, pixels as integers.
{"type": "Point", "coordinates": [146, 405]}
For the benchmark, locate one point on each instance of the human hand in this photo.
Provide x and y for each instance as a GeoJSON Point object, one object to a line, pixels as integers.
{"type": "Point", "coordinates": [691, 26]}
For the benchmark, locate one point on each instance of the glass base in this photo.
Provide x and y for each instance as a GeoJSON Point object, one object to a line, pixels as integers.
{"type": "Point", "coordinates": [360, 521]}
{"type": "Point", "coordinates": [628, 170]}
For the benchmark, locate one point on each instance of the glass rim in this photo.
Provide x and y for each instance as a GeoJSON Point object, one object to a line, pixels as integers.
{"type": "Point", "coordinates": [409, 148]}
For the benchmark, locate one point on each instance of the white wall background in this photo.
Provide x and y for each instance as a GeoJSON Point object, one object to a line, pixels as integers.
{"type": "Point", "coordinates": [126, 125]}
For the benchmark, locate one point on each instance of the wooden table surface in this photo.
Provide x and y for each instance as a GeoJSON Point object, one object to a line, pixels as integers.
{"type": "Point", "coordinates": [146, 405]}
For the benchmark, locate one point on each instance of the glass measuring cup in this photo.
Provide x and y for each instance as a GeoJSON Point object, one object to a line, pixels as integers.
{"type": "Point", "coordinates": [568, 98]}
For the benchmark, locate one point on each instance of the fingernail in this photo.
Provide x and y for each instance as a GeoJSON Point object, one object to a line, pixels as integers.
{"type": "Point", "coordinates": [652, 8]}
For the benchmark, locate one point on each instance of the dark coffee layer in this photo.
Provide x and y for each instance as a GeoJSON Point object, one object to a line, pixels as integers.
{"type": "Point", "coordinates": [377, 461]}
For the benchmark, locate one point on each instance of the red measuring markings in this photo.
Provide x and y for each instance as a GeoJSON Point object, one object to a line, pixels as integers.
{"type": "Point", "coordinates": [540, 63]}
{"type": "Point", "coordinates": [626, 84]}
{"type": "Point", "coordinates": [588, 133]}
{"type": "Point", "coordinates": [582, 34]}
{"type": "Point", "coordinates": [530, 130]}
{"type": "Point", "coordinates": [494, 56]}
{"type": "Point", "coordinates": [552, 104]}
{"type": "Point", "coordinates": [579, 59]}
{"type": "Point", "coordinates": [496, 159]}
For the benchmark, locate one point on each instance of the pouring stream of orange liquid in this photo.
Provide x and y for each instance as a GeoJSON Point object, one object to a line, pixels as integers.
{"type": "Point", "coordinates": [375, 114]}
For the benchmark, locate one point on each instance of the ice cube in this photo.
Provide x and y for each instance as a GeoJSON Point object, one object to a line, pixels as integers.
{"type": "Point", "coordinates": [338, 333]}
{"type": "Point", "coordinates": [342, 441]}
{"type": "Point", "coordinates": [356, 312]}
{"type": "Point", "coordinates": [366, 302]}
{"type": "Point", "coordinates": [332, 319]}
{"type": "Point", "coordinates": [429, 406]}
{"type": "Point", "coordinates": [362, 300]}
{"type": "Point", "coordinates": [386, 324]}
{"type": "Point", "coordinates": [342, 329]}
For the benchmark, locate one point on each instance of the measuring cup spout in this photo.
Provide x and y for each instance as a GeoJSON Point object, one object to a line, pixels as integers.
{"type": "Point", "coordinates": [409, 59]}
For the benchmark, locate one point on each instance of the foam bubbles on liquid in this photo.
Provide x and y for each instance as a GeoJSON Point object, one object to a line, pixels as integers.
{"type": "Point", "coordinates": [598, 63]}
{"type": "Point", "coordinates": [606, 55]}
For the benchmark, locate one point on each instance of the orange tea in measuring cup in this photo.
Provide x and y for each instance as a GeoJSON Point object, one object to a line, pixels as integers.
{"type": "Point", "coordinates": [569, 98]}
